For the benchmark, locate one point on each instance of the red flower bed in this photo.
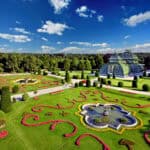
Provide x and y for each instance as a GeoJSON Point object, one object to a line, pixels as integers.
{"type": "Point", "coordinates": [105, 147]}
{"type": "Point", "coordinates": [3, 134]}
{"type": "Point", "coordinates": [53, 126]}
{"type": "Point", "coordinates": [57, 92]}
{"type": "Point", "coordinates": [39, 108]}
{"type": "Point", "coordinates": [83, 81]}
{"type": "Point", "coordinates": [147, 136]}
{"type": "Point", "coordinates": [36, 98]}
{"type": "Point", "coordinates": [124, 102]}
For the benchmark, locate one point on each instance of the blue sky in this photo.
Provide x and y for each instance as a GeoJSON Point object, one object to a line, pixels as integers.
{"type": "Point", "coordinates": [74, 26]}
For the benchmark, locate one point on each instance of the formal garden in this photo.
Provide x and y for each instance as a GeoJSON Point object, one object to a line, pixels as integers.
{"type": "Point", "coordinates": [30, 82]}
{"type": "Point", "coordinates": [78, 118]}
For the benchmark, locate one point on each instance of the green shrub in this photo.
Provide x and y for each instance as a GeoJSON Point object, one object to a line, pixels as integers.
{"type": "Point", "coordinates": [114, 77]}
{"type": "Point", "coordinates": [95, 84]}
{"type": "Point", "coordinates": [108, 76]}
{"type": "Point", "coordinates": [101, 85]}
{"type": "Point", "coordinates": [25, 97]}
{"type": "Point", "coordinates": [120, 84]}
{"type": "Point", "coordinates": [15, 89]}
{"type": "Point", "coordinates": [99, 79]}
{"type": "Point", "coordinates": [76, 85]}
{"type": "Point", "coordinates": [144, 74]}
{"type": "Point", "coordinates": [103, 80]}
{"type": "Point", "coordinates": [96, 74]}
{"type": "Point", "coordinates": [82, 74]}
{"type": "Point", "coordinates": [109, 82]}
{"type": "Point", "coordinates": [88, 83]}
{"type": "Point", "coordinates": [75, 76]}
{"type": "Point", "coordinates": [145, 87]}
{"type": "Point", "coordinates": [134, 83]}
{"type": "Point", "coordinates": [45, 73]}
{"type": "Point", "coordinates": [63, 81]}
{"type": "Point", "coordinates": [135, 78]}
{"type": "Point", "coordinates": [81, 83]}
{"type": "Point", "coordinates": [67, 77]}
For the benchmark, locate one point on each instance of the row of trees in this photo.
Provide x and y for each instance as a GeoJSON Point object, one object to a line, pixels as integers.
{"type": "Point", "coordinates": [34, 62]}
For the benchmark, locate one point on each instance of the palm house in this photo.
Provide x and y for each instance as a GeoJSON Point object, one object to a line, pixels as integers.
{"type": "Point", "coordinates": [122, 65]}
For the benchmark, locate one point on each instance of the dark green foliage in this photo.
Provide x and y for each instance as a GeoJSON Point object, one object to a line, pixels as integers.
{"type": "Point", "coordinates": [63, 81]}
{"type": "Point", "coordinates": [88, 83]}
{"type": "Point", "coordinates": [114, 77]}
{"type": "Point", "coordinates": [95, 84]}
{"type": "Point", "coordinates": [76, 85]}
{"type": "Point", "coordinates": [109, 82]}
{"type": "Point", "coordinates": [15, 89]}
{"type": "Point", "coordinates": [75, 77]}
{"type": "Point", "coordinates": [135, 78]}
{"type": "Point", "coordinates": [96, 73]}
{"type": "Point", "coordinates": [25, 97]}
{"type": "Point", "coordinates": [108, 76]}
{"type": "Point", "coordinates": [67, 77]}
{"type": "Point", "coordinates": [120, 84]}
{"type": "Point", "coordinates": [80, 83]}
{"type": "Point", "coordinates": [82, 74]}
{"type": "Point", "coordinates": [5, 103]}
{"type": "Point", "coordinates": [144, 74]}
{"type": "Point", "coordinates": [103, 80]}
{"type": "Point", "coordinates": [145, 87]}
{"type": "Point", "coordinates": [101, 85]}
{"type": "Point", "coordinates": [134, 83]}
{"type": "Point", "coordinates": [45, 73]}
{"type": "Point", "coordinates": [99, 79]}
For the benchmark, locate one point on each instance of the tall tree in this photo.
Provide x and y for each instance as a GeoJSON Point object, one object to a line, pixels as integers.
{"type": "Point", "coordinates": [5, 103]}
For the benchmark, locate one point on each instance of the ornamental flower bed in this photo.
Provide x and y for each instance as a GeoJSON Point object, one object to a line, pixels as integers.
{"type": "Point", "coordinates": [147, 136]}
{"type": "Point", "coordinates": [52, 127]}
{"type": "Point", "coordinates": [105, 147]}
{"type": "Point", "coordinates": [36, 98]}
{"type": "Point", "coordinates": [3, 134]}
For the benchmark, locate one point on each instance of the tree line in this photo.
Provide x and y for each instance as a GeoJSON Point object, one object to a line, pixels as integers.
{"type": "Point", "coordinates": [34, 62]}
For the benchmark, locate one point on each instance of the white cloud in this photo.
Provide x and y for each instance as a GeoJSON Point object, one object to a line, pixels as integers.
{"type": "Point", "coordinates": [89, 44]}
{"type": "Point", "coordinates": [15, 38]}
{"type": "Point", "coordinates": [127, 37]}
{"type": "Point", "coordinates": [47, 49]}
{"type": "Point", "coordinates": [100, 45]}
{"type": "Point", "coordinates": [59, 4]}
{"type": "Point", "coordinates": [137, 19]}
{"type": "Point", "coordinates": [44, 39]}
{"type": "Point", "coordinates": [100, 18]}
{"type": "Point", "coordinates": [18, 22]}
{"type": "Point", "coordinates": [21, 30]}
{"type": "Point", "coordinates": [59, 43]}
{"type": "Point", "coordinates": [83, 11]}
{"type": "Point", "coordinates": [53, 28]}
{"type": "Point", "coordinates": [71, 50]}
{"type": "Point", "coordinates": [80, 43]}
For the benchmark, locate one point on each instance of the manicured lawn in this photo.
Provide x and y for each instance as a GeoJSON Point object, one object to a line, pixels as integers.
{"type": "Point", "coordinates": [128, 83]}
{"type": "Point", "coordinates": [43, 82]}
{"type": "Point", "coordinates": [41, 137]}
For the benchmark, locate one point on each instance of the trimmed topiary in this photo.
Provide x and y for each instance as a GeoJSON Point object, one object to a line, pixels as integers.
{"type": "Point", "coordinates": [135, 78]}
{"type": "Point", "coordinates": [145, 87]}
{"type": "Point", "coordinates": [5, 103]}
{"type": "Point", "coordinates": [95, 84]}
{"type": "Point", "coordinates": [15, 89]}
{"type": "Point", "coordinates": [25, 97]}
{"type": "Point", "coordinates": [108, 76]}
{"type": "Point", "coordinates": [120, 84]}
{"type": "Point", "coordinates": [76, 85]}
{"type": "Point", "coordinates": [134, 83]}
{"type": "Point", "coordinates": [103, 80]}
{"type": "Point", "coordinates": [81, 83]}
{"type": "Point", "coordinates": [109, 82]}
{"type": "Point", "coordinates": [88, 83]}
